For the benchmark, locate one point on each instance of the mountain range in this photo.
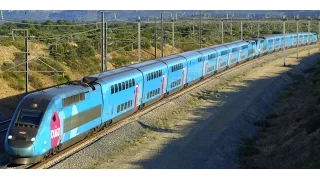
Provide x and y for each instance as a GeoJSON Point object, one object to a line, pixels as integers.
{"type": "Point", "coordinates": [132, 15]}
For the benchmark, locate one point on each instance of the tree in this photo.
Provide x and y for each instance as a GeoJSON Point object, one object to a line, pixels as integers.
{"type": "Point", "coordinates": [85, 49]}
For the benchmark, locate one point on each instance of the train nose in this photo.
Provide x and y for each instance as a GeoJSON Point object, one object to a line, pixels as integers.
{"type": "Point", "coordinates": [19, 148]}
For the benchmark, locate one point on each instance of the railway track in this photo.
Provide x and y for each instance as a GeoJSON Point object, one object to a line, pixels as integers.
{"type": "Point", "coordinates": [88, 141]}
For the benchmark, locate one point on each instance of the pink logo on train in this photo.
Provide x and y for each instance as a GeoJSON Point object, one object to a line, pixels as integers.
{"type": "Point", "coordinates": [54, 129]}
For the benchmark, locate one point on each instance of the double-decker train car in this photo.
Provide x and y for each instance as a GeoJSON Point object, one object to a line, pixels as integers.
{"type": "Point", "coordinates": [51, 120]}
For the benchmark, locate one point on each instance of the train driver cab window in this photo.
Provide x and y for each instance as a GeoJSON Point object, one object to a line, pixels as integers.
{"type": "Point", "coordinates": [31, 117]}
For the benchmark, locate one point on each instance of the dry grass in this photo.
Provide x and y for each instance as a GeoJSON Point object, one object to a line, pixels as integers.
{"type": "Point", "coordinates": [289, 136]}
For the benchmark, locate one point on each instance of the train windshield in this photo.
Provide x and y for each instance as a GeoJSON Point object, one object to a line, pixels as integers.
{"type": "Point", "coordinates": [32, 117]}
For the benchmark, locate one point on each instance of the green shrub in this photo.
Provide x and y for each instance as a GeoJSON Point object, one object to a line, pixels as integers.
{"type": "Point", "coordinates": [35, 82]}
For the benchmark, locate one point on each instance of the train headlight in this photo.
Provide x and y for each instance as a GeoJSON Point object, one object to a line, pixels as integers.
{"type": "Point", "coordinates": [9, 137]}
{"type": "Point", "coordinates": [33, 139]}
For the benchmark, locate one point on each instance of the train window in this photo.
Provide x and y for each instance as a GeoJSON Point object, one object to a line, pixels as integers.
{"type": "Point", "coordinates": [123, 86]}
{"type": "Point", "coordinates": [148, 96]}
{"type": "Point", "coordinates": [158, 90]}
{"type": "Point", "coordinates": [125, 105]}
{"type": "Point", "coordinates": [224, 52]}
{"type": "Point", "coordinates": [112, 89]}
{"type": "Point", "coordinates": [133, 82]}
{"type": "Point", "coordinates": [122, 106]}
{"type": "Point", "coordinates": [253, 43]}
{"type": "Point", "coordinates": [116, 88]}
{"type": "Point", "coordinates": [32, 117]}
{"type": "Point", "coordinates": [130, 83]}
{"type": "Point", "coordinates": [81, 96]}
{"type": "Point", "coordinates": [127, 84]}
{"type": "Point", "coordinates": [118, 108]}
{"type": "Point", "coordinates": [119, 85]}
{"type": "Point", "coordinates": [244, 47]}
{"type": "Point", "coordinates": [270, 41]}
{"type": "Point", "coordinates": [234, 49]}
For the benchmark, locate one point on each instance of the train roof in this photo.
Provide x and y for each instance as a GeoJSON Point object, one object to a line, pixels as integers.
{"type": "Point", "coordinates": [233, 45]}
{"type": "Point", "coordinates": [206, 50]}
{"type": "Point", "coordinates": [65, 90]}
{"type": "Point", "coordinates": [220, 48]}
{"type": "Point", "coordinates": [171, 58]}
{"type": "Point", "coordinates": [190, 54]}
{"type": "Point", "coordinates": [257, 39]}
{"type": "Point", "coordinates": [148, 65]}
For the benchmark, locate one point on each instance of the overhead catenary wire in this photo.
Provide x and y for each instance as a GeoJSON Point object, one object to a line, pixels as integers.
{"type": "Point", "coordinates": [77, 33]}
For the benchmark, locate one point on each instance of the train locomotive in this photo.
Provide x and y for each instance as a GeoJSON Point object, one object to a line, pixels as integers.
{"type": "Point", "coordinates": [48, 121]}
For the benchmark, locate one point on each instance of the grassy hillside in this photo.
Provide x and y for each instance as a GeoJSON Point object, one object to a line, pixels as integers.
{"type": "Point", "coordinates": [75, 49]}
{"type": "Point", "coordinates": [289, 137]}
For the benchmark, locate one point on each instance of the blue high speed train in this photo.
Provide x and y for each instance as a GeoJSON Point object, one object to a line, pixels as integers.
{"type": "Point", "coordinates": [53, 119]}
